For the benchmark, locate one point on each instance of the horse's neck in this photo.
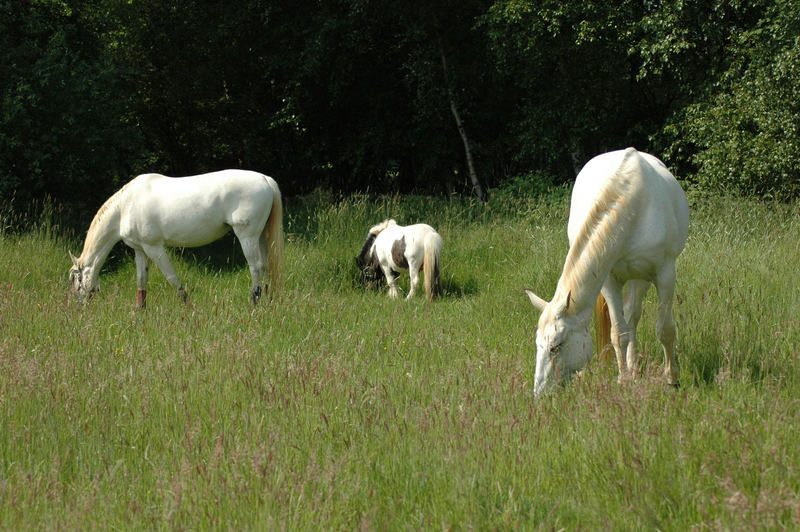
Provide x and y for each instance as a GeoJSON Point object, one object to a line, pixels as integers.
{"type": "Point", "coordinates": [103, 233]}
{"type": "Point", "coordinates": [579, 293]}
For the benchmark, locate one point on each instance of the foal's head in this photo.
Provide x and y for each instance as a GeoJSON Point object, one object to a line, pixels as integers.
{"type": "Point", "coordinates": [368, 264]}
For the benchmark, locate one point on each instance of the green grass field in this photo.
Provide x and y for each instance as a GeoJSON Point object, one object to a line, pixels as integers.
{"type": "Point", "coordinates": [337, 408]}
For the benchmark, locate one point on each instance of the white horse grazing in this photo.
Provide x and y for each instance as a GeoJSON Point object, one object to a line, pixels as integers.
{"type": "Point", "coordinates": [390, 248]}
{"type": "Point", "coordinates": [628, 222]}
{"type": "Point", "coordinates": [153, 211]}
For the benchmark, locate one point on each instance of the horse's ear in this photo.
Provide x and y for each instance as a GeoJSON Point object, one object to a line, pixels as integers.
{"type": "Point", "coordinates": [74, 259]}
{"type": "Point", "coordinates": [537, 301]}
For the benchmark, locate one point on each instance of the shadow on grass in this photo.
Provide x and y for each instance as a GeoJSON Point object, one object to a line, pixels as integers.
{"type": "Point", "coordinates": [709, 364]}
{"type": "Point", "coordinates": [223, 255]}
{"type": "Point", "coordinates": [455, 289]}
{"type": "Point", "coordinates": [450, 289]}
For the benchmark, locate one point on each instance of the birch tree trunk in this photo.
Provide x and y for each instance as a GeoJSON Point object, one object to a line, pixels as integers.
{"type": "Point", "coordinates": [473, 175]}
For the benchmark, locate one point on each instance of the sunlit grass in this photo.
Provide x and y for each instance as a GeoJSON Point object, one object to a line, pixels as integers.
{"type": "Point", "coordinates": [338, 408]}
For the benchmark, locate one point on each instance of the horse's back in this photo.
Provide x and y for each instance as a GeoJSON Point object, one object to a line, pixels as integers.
{"type": "Point", "coordinates": [397, 243]}
{"type": "Point", "coordinates": [195, 210]}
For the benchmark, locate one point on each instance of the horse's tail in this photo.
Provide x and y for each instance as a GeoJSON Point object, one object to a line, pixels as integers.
{"type": "Point", "coordinates": [433, 248]}
{"type": "Point", "coordinates": [273, 231]}
{"type": "Point", "coordinates": [602, 329]}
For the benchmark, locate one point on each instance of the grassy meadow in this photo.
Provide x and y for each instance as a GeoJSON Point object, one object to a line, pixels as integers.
{"type": "Point", "coordinates": [337, 408]}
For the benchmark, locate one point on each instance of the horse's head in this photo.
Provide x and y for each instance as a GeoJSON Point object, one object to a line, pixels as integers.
{"type": "Point", "coordinates": [563, 343]}
{"type": "Point", "coordinates": [82, 279]}
{"type": "Point", "coordinates": [370, 269]}
{"type": "Point", "coordinates": [367, 262]}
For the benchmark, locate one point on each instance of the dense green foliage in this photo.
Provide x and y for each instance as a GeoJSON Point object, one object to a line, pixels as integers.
{"type": "Point", "coordinates": [356, 95]}
{"type": "Point", "coordinates": [748, 132]}
{"type": "Point", "coordinates": [337, 408]}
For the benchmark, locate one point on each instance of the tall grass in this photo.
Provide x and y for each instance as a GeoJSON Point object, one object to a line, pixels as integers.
{"type": "Point", "coordinates": [337, 408]}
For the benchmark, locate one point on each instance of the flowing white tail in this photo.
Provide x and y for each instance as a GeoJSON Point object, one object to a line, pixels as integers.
{"type": "Point", "coordinates": [430, 264]}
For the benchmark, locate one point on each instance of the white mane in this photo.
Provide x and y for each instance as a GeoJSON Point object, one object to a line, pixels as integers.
{"type": "Point", "coordinates": [604, 229]}
{"type": "Point", "coordinates": [96, 228]}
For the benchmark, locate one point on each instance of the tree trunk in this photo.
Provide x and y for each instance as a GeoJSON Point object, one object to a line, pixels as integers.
{"type": "Point", "coordinates": [473, 175]}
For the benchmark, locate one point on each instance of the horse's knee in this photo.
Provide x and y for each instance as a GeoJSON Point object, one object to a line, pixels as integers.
{"type": "Point", "coordinates": [619, 339]}
{"type": "Point", "coordinates": [666, 333]}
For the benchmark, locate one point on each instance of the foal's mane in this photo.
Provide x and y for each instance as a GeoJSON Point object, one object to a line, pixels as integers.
{"type": "Point", "coordinates": [604, 229]}
{"type": "Point", "coordinates": [375, 229]}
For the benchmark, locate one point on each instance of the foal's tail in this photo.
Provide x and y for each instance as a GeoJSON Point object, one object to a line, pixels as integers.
{"type": "Point", "coordinates": [602, 330]}
{"type": "Point", "coordinates": [430, 263]}
{"type": "Point", "coordinates": [273, 230]}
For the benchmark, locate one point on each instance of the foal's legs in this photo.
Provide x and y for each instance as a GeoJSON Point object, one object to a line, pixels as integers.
{"type": "Point", "coordinates": [665, 327]}
{"type": "Point", "coordinates": [391, 280]}
{"type": "Point", "coordinates": [413, 274]}
{"type": "Point", "coordinates": [159, 255]}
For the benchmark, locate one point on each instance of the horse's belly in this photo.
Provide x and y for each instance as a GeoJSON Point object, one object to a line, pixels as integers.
{"type": "Point", "coordinates": [195, 237]}
{"type": "Point", "coordinates": [634, 269]}
{"type": "Point", "coordinates": [174, 231]}
{"type": "Point", "coordinates": [643, 264]}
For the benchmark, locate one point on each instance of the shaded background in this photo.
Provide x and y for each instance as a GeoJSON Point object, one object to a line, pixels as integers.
{"type": "Point", "coordinates": [360, 95]}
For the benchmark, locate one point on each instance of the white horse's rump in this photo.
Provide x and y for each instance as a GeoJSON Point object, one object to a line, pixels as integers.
{"type": "Point", "coordinates": [153, 211]}
{"type": "Point", "coordinates": [628, 223]}
{"type": "Point", "coordinates": [390, 248]}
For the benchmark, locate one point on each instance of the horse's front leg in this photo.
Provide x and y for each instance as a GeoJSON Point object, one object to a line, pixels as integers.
{"type": "Point", "coordinates": [635, 292]}
{"type": "Point", "coordinates": [391, 279]}
{"type": "Point", "coordinates": [142, 273]}
{"type": "Point", "coordinates": [620, 330]}
{"type": "Point", "coordinates": [159, 255]}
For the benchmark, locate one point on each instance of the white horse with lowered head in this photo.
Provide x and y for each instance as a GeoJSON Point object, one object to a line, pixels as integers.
{"type": "Point", "coordinates": [628, 223]}
{"type": "Point", "coordinates": [390, 248]}
{"type": "Point", "coordinates": [153, 211]}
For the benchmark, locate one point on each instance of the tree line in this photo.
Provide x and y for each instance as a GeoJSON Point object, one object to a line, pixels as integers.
{"type": "Point", "coordinates": [443, 96]}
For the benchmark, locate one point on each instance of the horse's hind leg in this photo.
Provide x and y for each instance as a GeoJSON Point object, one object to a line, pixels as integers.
{"type": "Point", "coordinates": [256, 261]}
{"type": "Point", "coordinates": [413, 274]}
{"type": "Point", "coordinates": [159, 255]}
{"type": "Point", "coordinates": [665, 327]}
